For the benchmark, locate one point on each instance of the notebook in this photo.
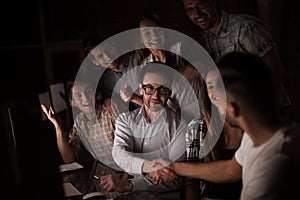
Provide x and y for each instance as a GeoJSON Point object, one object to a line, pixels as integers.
{"type": "Point", "coordinates": [71, 191]}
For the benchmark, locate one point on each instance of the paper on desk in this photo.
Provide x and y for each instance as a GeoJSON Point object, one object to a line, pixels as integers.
{"type": "Point", "coordinates": [70, 190]}
{"type": "Point", "coordinates": [58, 95]}
{"type": "Point", "coordinates": [68, 167]}
{"type": "Point", "coordinates": [44, 98]}
{"type": "Point", "coordinates": [93, 194]}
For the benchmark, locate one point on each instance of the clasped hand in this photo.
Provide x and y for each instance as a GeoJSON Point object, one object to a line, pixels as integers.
{"type": "Point", "coordinates": [115, 182]}
{"type": "Point", "coordinates": [159, 170]}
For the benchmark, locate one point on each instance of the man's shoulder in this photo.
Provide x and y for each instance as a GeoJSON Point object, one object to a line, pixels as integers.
{"type": "Point", "coordinates": [129, 115]}
{"type": "Point", "coordinates": [291, 132]}
{"type": "Point", "coordinates": [291, 145]}
{"type": "Point", "coordinates": [129, 61]}
{"type": "Point", "coordinates": [243, 19]}
{"type": "Point", "coordinates": [104, 114]}
{"type": "Point", "coordinates": [177, 118]}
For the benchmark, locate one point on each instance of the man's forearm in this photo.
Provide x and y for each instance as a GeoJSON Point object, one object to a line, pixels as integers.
{"type": "Point", "coordinates": [218, 171]}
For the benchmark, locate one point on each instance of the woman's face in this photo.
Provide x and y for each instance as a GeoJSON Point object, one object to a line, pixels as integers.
{"type": "Point", "coordinates": [215, 89]}
{"type": "Point", "coordinates": [152, 35]}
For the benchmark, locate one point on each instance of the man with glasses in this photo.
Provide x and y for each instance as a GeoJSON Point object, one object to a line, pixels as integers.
{"type": "Point", "coordinates": [224, 33]}
{"type": "Point", "coordinates": [150, 132]}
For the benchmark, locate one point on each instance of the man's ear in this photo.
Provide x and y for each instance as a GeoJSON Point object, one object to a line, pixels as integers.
{"type": "Point", "coordinates": [73, 103]}
{"type": "Point", "coordinates": [233, 109]}
{"type": "Point", "coordinates": [140, 89]}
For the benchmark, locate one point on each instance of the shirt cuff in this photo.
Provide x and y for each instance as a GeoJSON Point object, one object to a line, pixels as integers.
{"type": "Point", "coordinates": [137, 166]}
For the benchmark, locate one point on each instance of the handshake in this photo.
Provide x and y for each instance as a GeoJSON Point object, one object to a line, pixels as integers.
{"type": "Point", "coordinates": [159, 170]}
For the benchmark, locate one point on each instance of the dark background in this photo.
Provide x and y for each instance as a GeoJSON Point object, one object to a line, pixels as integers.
{"type": "Point", "coordinates": [40, 44]}
{"type": "Point", "coordinates": [40, 40]}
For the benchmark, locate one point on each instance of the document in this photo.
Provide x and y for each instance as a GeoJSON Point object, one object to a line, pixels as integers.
{"type": "Point", "coordinates": [94, 194]}
{"type": "Point", "coordinates": [44, 98]}
{"type": "Point", "coordinates": [70, 190]}
{"type": "Point", "coordinates": [69, 167]}
{"type": "Point", "coordinates": [59, 97]}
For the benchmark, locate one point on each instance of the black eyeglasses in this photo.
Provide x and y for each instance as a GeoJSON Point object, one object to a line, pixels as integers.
{"type": "Point", "coordinates": [193, 10]}
{"type": "Point", "coordinates": [149, 90]}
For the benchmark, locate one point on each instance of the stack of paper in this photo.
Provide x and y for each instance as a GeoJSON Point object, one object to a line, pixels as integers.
{"type": "Point", "coordinates": [69, 167]}
{"type": "Point", "coordinates": [70, 190]}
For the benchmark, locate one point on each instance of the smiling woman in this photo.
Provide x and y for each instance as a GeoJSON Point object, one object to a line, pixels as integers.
{"type": "Point", "coordinates": [151, 41]}
{"type": "Point", "coordinates": [50, 50]}
{"type": "Point", "coordinates": [154, 43]}
{"type": "Point", "coordinates": [216, 90]}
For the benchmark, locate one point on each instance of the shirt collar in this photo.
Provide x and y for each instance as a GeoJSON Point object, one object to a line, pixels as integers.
{"type": "Point", "coordinates": [96, 116]}
{"type": "Point", "coordinates": [164, 114]}
{"type": "Point", "coordinates": [224, 22]}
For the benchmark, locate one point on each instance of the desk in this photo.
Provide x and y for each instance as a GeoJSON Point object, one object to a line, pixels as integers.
{"type": "Point", "coordinates": [77, 175]}
{"type": "Point", "coordinates": [78, 183]}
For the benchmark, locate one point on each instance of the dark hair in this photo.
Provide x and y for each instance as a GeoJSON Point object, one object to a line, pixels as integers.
{"type": "Point", "coordinates": [75, 81]}
{"type": "Point", "coordinates": [248, 78]}
{"type": "Point", "coordinates": [158, 68]}
{"type": "Point", "coordinates": [212, 125]}
{"type": "Point", "coordinates": [151, 16]}
{"type": "Point", "coordinates": [142, 52]}
{"type": "Point", "coordinates": [91, 41]}
{"type": "Point", "coordinates": [78, 81]}
{"type": "Point", "coordinates": [69, 86]}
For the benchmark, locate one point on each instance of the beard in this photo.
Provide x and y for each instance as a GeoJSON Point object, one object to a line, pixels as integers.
{"type": "Point", "coordinates": [231, 122]}
{"type": "Point", "coordinates": [156, 107]}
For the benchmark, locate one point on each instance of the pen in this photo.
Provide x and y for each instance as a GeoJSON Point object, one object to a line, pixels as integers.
{"type": "Point", "coordinates": [96, 177]}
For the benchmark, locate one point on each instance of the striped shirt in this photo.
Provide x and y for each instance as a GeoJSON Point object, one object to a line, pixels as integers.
{"type": "Point", "coordinates": [194, 139]}
{"type": "Point", "coordinates": [138, 140]}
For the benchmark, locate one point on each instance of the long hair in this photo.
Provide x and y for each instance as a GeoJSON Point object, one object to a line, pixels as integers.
{"type": "Point", "coordinates": [212, 123]}
{"type": "Point", "coordinates": [142, 52]}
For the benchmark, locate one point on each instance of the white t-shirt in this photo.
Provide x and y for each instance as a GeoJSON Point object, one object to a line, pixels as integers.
{"type": "Point", "coordinates": [261, 166]}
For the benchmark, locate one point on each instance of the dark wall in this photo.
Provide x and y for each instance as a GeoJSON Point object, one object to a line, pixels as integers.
{"type": "Point", "coordinates": [29, 169]}
{"type": "Point", "coordinates": [40, 44]}
{"type": "Point", "coordinates": [40, 40]}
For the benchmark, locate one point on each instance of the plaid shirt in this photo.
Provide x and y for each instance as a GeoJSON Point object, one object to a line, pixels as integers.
{"type": "Point", "coordinates": [96, 136]}
{"type": "Point", "coordinates": [242, 33]}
